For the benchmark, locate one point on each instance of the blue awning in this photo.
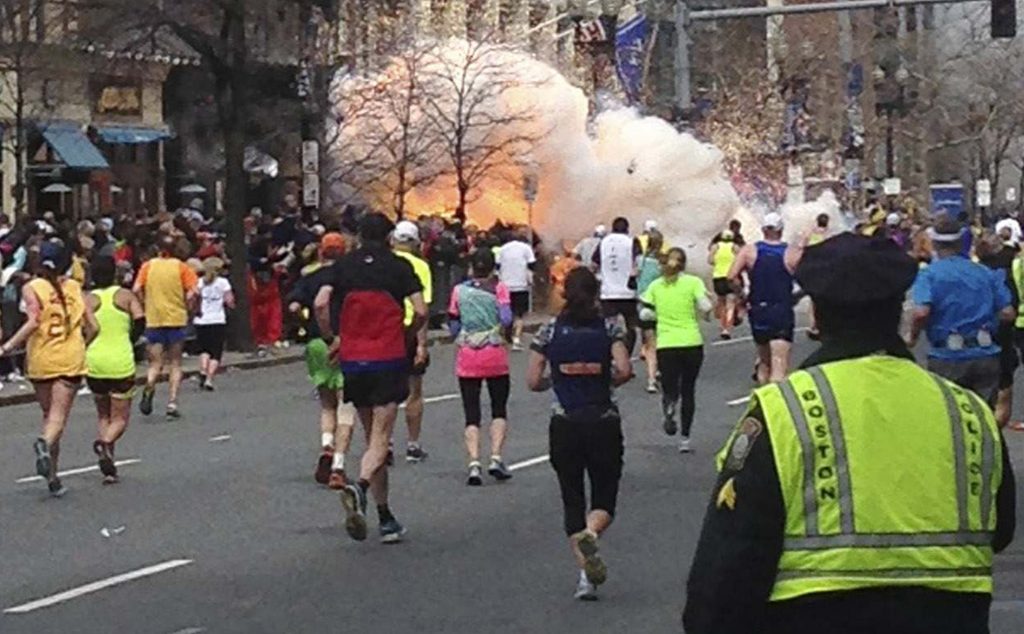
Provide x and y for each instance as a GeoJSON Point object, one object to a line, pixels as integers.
{"type": "Point", "coordinates": [73, 147]}
{"type": "Point", "coordinates": [132, 134]}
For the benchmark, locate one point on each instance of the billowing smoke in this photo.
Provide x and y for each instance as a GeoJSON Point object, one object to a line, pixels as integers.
{"type": "Point", "coordinates": [589, 169]}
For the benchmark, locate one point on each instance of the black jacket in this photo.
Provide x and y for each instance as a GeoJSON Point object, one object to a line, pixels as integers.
{"type": "Point", "coordinates": [739, 549]}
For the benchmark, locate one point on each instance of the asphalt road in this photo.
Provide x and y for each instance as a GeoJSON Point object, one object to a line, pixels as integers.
{"type": "Point", "coordinates": [225, 531]}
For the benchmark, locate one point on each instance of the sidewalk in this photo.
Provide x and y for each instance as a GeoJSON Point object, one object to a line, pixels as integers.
{"type": "Point", "coordinates": [20, 392]}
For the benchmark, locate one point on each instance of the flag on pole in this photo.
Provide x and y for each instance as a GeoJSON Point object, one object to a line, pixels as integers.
{"type": "Point", "coordinates": [630, 49]}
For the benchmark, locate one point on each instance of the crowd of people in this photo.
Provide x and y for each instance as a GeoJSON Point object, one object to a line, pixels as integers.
{"type": "Point", "coordinates": [362, 295]}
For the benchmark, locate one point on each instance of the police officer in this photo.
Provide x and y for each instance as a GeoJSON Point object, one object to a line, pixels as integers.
{"type": "Point", "coordinates": [862, 494]}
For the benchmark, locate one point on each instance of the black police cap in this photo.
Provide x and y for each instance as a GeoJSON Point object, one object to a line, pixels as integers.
{"type": "Point", "coordinates": [855, 269]}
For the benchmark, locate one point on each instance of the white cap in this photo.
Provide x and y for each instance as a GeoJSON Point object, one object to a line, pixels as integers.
{"type": "Point", "coordinates": [107, 223]}
{"type": "Point", "coordinates": [406, 231]}
{"type": "Point", "coordinates": [893, 219]}
{"type": "Point", "coordinates": [600, 231]}
{"type": "Point", "coordinates": [772, 220]}
{"type": "Point", "coordinates": [650, 225]}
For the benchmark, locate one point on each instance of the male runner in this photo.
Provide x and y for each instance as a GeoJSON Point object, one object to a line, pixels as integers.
{"type": "Point", "coordinates": [770, 264]}
{"type": "Point", "coordinates": [616, 259]}
{"type": "Point", "coordinates": [371, 285]}
{"type": "Point", "coordinates": [406, 242]}
{"type": "Point", "coordinates": [166, 286]}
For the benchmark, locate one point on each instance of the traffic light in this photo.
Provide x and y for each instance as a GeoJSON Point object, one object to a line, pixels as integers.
{"type": "Point", "coordinates": [1004, 18]}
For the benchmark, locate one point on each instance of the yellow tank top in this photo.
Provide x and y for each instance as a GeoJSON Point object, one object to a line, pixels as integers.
{"type": "Point", "coordinates": [57, 347]}
{"type": "Point", "coordinates": [724, 257]}
{"type": "Point", "coordinates": [815, 238]}
{"type": "Point", "coordinates": [164, 292]}
{"type": "Point", "coordinates": [110, 355]}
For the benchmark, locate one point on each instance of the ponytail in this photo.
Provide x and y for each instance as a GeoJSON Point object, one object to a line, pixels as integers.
{"type": "Point", "coordinates": [51, 276]}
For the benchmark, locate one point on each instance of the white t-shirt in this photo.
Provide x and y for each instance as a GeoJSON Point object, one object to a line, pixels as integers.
{"type": "Point", "coordinates": [213, 302]}
{"type": "Point", "coordinates": [514, 260]}
{"type": "Point", "coordinates": [616, 267]}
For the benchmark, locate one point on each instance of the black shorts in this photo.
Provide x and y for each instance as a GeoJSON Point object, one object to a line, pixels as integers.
{"type": "Point", "coordinates": [116, 388]}
{"type": "Point", "coordinates": [520, 303]}
{"type": "Point", "coordinates": [625, 307]}
{"type": "Point", "coordinates": [410, 355]}
{"type": "Point", "coordinates": [210, 340]}
{"type": "Point", "coordinates": [376, 389]}
{"type": "Point", "coordinates": [723, 287]}
{"type": "Point", "coordinates": [772, 322]}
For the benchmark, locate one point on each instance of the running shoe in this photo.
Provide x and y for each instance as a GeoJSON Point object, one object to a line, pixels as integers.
{"type": "Point", "coordinates": [391, 454]}
{"type": "Point", "coordinates": [43, 461]}
{"type": "Point", "coordinates": [415, 454]}
{"type": "Point", "coordinates": [353, 500]}
{"type": "Point", "coordinates": [337, 480]}
{"type": "Point", "coordinates": [499, 471]}
{"type": "Point", "coordinates": [475, 478]}
{"type": "Point", "coordinates": [814, 335]}
{"type": "Point", "coordinates": [726, 335]}
{"type": "Point", "coordinates": [106, 459]}
{"type": "Point", "coordinates": [652, 386]}
{"type": "Point", "coordinates": [56, 487]}
{"type": "Point", "coordinates": [585, 591]}
{"type": "Point", "coordinates": [517, 345]}
{"type": "Point", "coordinates": [593, 566]}
{"type": "Point", "coordinates": [391, 532]}
{"type": "Point", "coordinates": [669, 424]}
{"type": "Point", "coordinates": [202, 382]}
{"type": "Point", "coordinates": [323, 466]}
{"type": "Point", "coordinates": [684, 444]}
{"type": "Point", "coordinates": [146, 402]}
{"type": "Point", "coordinates": [172, 412]}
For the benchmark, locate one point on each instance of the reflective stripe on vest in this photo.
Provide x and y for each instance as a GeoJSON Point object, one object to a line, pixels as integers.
{"type": "Point", "coordinates": [1017, 272]}
{"type": "Point", "coordinates": [852, 522]}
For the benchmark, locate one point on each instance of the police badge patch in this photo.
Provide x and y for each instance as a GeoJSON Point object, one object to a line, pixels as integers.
{"type": "Point", "coordinates": [743, 442]}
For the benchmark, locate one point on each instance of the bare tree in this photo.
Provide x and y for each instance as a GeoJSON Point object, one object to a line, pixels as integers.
{"type": "Point", "coordinates": [473, 110]}
{"type": "Point", "coordinates": [30, 33]}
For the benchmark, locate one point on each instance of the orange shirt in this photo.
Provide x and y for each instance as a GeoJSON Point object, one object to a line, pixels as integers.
{"type": "Point", "coordinates": [164, 283]}
{"type": "Point", "coordinates": [57, 347]}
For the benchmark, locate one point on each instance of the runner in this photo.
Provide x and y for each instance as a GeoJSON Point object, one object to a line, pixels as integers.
{"type": "Point", "coordinates": [516, 262]}
{"type": "Point", "coordinates": [58, 326]}
{"type": "Point", "coordinates": [721, 257]}
{"type": "Point", "coordinates": [615, 259]}
{"type": "Point", "coordinates": [770, 264]}
{"type": "Point", "coordinates": [480, 309]}
{"type": "Point", "coordinates": [336, 420]}
{"type": "Point", "coordinates": [407, 246]}
{"type": "Point", "coordinates": [111, 359]}
{"type": "Point", "coordinates": [370, 285]}
{"type": "Point", "coordinates": [648, 268]}
{"type": "Point", "coordinates": [588, 356]}
{"type": "Point", "coordinates": [677, 301]}
{"type": "Point", "coordinates": [167, 288]}
{"type": "Point", "coordinates": [216, 297]}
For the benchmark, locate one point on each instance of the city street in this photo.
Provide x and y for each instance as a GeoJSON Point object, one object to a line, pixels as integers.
{"type": "Point", "coordinates": [224, 529]}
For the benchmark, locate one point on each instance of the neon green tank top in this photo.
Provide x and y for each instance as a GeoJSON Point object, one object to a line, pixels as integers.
{"type": "Point", "coordinates": [724, 257]}
{"type": "Point", "coordinates": [110, 355]}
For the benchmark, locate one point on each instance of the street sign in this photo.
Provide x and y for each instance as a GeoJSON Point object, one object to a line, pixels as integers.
{"type": "Point", "coordinates": [310, 157]}
{"type": "Point", "coordinates": [1011, 194]}
{"type": "Point", "coordinates": [892, 187]}
{"type": "Point", "coordinates": [983, 192]}
{"type": "Point", "coordinates": [311, 190]}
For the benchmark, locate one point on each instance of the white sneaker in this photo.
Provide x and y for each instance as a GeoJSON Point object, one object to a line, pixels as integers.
{"type": "Point", "coordinates": [585, 591]}
{"type": "Point", "coordinates": [684, 444]}
{"type": "Point", "coordinates": [517, 345]}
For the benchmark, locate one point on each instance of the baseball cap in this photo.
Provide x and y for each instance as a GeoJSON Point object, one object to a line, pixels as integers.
{"type": "Point", "coordinates": [772, 220]}
{"type": "Point", "coordinates": [51, 253]}
{"type": "Point", "coordinates": [600, 231]}
{"type": "Point", "coordinates": [893, 219]}
{"type": "Point", "coordinates": [406, 231]}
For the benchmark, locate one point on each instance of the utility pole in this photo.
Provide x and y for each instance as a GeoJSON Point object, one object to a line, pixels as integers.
{"type": "Point", "coordinates": [684, 100]}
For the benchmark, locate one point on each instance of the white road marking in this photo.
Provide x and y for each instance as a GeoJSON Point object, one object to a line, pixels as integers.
{"type": "Point", "coordinates": [96, 586]}
{"type": "Point", "coordinates": [436, 399]}
{"type": "Point", "coordinates": [738, 401]}
{"type": "Point", "coordinates": [190, 630]}
{"type": "Point", "coordinates": [221, 438]}
{"type": "Point", "coordinates": [78, 471]}
{"type": "Point", "coordinates": [529, 463]}
{"type": "Point", "coordinates": [747, 338]}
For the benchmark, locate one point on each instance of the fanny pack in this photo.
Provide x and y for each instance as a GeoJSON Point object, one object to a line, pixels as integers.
{"type": "Point", "coordinates": [956, 341]}
{"type": "Point", "coordinates": [592, 414]}
{"type": "Point", "coordinates": [481, 339]}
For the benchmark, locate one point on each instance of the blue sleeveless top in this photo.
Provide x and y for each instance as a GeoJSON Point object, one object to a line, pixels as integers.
{"type": "Point", "coordinates": [770, 280]}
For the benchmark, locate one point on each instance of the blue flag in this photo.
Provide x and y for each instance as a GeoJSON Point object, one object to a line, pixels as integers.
{"type": "Point", "coordinates": [630, 50]}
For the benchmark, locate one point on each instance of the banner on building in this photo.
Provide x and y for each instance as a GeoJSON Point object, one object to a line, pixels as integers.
{"type": "Point", "coordinates": [947, 199]}
{"type": "Point", "coordinates": [630, 51]}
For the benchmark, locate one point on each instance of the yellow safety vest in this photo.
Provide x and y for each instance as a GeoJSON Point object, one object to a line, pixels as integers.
{"type": "Point", "coordinates": [1018, 282]}
{"type": "Point", "coordinates": [888, 474]}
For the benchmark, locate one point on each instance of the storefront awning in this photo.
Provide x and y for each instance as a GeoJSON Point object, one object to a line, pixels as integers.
{"type": "Point", "coordinates": [132, 134]}
{"type": "Point", "coordinates": [73, 147]}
